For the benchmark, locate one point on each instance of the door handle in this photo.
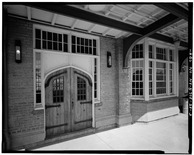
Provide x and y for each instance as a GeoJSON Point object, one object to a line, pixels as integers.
{"type": "Point", "coordinates": [72, 104]}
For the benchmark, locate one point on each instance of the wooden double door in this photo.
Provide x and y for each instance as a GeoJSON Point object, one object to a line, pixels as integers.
{"type": "Point", "coordinates": [68, 101]}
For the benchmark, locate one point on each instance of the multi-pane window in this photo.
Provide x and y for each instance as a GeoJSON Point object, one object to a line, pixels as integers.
{"type": "Point", "coordinates": [38, 77]}
{"type": "Point", "coordinates": [83, 45]}
{"type": "Point", "coordinates": [95, 77]}
{"type": "Point", "coordinates": [59, 42]}
{"type": "Point", "coordinates": [58, 90]}
{"type": "Point", "coordinates": [150, 78]}
{"type": "Point", "coordinates": [137, 70]}
{"type": "Point", "coordinates": [160, 71]}
{"type": "Point", "coordinates": [171, 78]}
{"type": "Point", "coordinates": [160, 78]}
{"type": "Point", "coordinates": [81, 89]}
{"type": "Point", "coordinates": [38, 39]}
{"type": "Point", "coordinates": [137, 51]}
{"type": "Point", "coordinates": [51, 41]}
{"type": "Point", "coordinates": [137, 78]}
{"type": "Point", "coordinates": [161, 53]}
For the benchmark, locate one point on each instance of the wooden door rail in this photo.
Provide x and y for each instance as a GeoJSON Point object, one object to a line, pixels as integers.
{"type": "Point", "coordinates": [87, 120]}
{"type": "Point", "coordinates": [86, 102]}
{"type": "Point", "coordinates": [55, 126]}
{"type": "Point", "coordinates": [52, 106]}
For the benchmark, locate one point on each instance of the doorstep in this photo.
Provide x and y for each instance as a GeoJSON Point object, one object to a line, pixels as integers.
{"type": "Point", "coordinates": [60, 138]}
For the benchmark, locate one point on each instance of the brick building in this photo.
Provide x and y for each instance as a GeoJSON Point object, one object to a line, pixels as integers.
{"type": "Point", "coordinates": [67, 71]}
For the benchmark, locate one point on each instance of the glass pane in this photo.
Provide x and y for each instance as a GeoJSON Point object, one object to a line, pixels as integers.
{"type": "Point", "coordinates": [44, 35]}
{"type": "Point", "coordinates": [65, 48]}
{"type": "Point", "coordinates": [82, 41]}
{"type": "Point", "coordinates": [60, 37]}
{"type": "Point", "coordinates": [55, 46]}
{"type": "Point", "coordinates": [44, 43]}
{"type": "Point", "coordinates": [94, 51]}
{"type": "Point", "coordinates": [38, 44]}
{"type": "Point", "coordinates": [50, 45]}
{"type": "Point", "coordinates": [54, 36]}
{"type": "Point", "coordinates": [73, 39]}
{"type": "Point", "coordinates": [90, 42]}
{"type": "Point", "coordinates": [60, 46]}
{"type": "Point", "coordinates": [73, 49]}
{"type": "Point", "coordinates": [78, 40]}
{"type": "Point", "coordinates": [49, 36]}
{"type": "Point", "coordinates": [94, 43]}
{"type": "Point", "coordinates": [65, 38]}
{"type": "Point", "coordinates": [38, 33]}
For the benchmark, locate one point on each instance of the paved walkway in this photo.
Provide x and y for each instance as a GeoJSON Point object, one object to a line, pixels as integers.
{"type": "Point", "coordinates": [169, 135]}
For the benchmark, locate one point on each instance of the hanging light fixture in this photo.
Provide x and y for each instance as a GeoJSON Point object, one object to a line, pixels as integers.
{"type": "Point", "coordinates": [18, 52]}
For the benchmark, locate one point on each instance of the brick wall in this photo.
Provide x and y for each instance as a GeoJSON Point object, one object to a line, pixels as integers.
{"type": "Point", "coordinates": [115, 85]}
{"type": "Point", "coordinates": [124, 81]}
{"type": "Point", "coordinates": [108, 78]}
{"type": "Point", "coordinates": [22, 117]}
{"type": "Point", "coordinates": [146, 111]}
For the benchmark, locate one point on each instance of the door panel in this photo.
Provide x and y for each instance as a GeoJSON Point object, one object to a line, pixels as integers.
{"type": "Point", "coordinates": [57, 103]}
{"type": "Point", "coordinates": [68, 102]}
{"type": "Point", "coordinates": [82, 97]}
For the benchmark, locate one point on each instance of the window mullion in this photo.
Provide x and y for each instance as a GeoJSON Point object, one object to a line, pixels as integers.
{"type": "Point", "coordinates": [69, 36]}
{"type": "Point", "coordinates": [154, 71]}
{"type": "Point", "coordinates": [168, 78]}
{"type": "Point", "coordinates": [146, 70]}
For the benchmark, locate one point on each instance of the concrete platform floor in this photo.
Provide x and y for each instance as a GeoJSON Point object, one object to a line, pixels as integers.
{"type": "Point", "coordinates": [169, 135]}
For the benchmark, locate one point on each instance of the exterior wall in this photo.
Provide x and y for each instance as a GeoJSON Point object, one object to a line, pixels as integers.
{"type": "Point", "coordinates": [183, 87]}
{"type": "Point", "coordinates": [146, 111]}
{"type": "Point", "coordinates": [115, 107]}
{"type": "Point", "coordinates": [23, 121]}
{"type": "Point", "coordinates": [106, 111]}
{"type": "Point", "coordinates": [124, 108]}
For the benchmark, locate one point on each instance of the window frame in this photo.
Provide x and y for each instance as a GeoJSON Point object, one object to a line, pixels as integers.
{"type": "Point", "coordinates": [69, 34]}
{"type": "Point", "coordinates": [146, 96]}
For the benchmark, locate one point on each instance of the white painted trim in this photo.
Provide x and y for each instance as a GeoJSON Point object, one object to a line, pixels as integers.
{"type": "Point", "coordinates": [154, 60]}
{"type": "Point", "coordinates": [66, 53]}
{"type": "Point", "coordinates": [60, 30]}
{"type": "Point", "coordinates": [146, 70]}
{"type": "Point", "coordinates": [70, 66]}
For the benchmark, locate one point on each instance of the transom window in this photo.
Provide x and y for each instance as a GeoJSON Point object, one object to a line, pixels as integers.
{"type": "Point", "coordinates": [83, 45]}
{"type": "Point", "coordinates": [51, 41]}
{"type": "Point", "coordinates": [81, 89]}
{"type": "Point", "coordinates": [161, 53]}
{"type": "Point", "coordinates": [58, 90]}
{"type": "Point", "coordinates": [159, 72]}
{"type": "Point", "coordinates": [47, 40]}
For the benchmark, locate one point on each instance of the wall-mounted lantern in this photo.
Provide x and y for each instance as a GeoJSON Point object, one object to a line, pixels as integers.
{"type": "Point", "coordinates": [18, 52]}
{"type": "Point", "coordinates": [109, 60]}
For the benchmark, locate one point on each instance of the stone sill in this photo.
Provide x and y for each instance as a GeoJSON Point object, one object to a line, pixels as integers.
{"type": "Point", "coordinates": [154, 100]}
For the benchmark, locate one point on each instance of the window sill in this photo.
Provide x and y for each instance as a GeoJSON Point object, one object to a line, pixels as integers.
{"type": "Point", "coordinates": [97, 103]}
{"type": "Point", "coordinates": [156, 99]}
{"type": "Point", "coordinates": [38, 106]}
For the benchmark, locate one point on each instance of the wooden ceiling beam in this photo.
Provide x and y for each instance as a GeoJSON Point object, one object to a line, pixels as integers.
{"type": "Point", "coordinates": [175, 9]}
{"type": "Point", "coordinates": [85, 15]}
